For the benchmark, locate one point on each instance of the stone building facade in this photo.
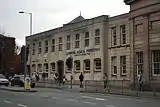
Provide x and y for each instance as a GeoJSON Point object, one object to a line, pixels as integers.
{"type": "Point", "coordinates": [120, 46]}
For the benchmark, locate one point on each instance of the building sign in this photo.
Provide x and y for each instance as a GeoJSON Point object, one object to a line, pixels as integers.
{"type": "Point", "coordinates": [83, 52]}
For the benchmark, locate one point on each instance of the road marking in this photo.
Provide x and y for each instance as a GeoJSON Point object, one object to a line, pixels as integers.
{"type": "Point", "coordinates": [54, 97]}
{"type": "Point", "coordinates": [21, 105]}
{"type": "Point", "coordinates": [94, 98]}
{"type": "Point", "coordinates": [73, 100]}
{"type": "Point", "coordinates": [7, 102]}
{"type": "Point", "coordinates": [109, 106]}
{"type": "Point", "coordinates": [100, 99]}
{"type": "Point", "coordinates": [91, 103]}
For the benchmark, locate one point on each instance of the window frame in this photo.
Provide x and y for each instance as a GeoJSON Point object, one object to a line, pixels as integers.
{"type": "Point", "coordinates": [51, 67]}
{"type": "Point", "coordinates": [97, 68]}
{"type": "Point", "coordinates": [68, 42]}
{"type": "Point", "coordinates": [87, 68]}
{"type": "Point", "coordinates": [34, 48]}
{"type": "Point", "coordinates": [157, 62]}
{"type": "Point", "coordinates": [97, 37]}
{"type": "Point", "coordinates": [77, 41]}
{"type": "Point", "coordinates": [86, 39]}
{"type": "Point", "coordinates": [114, 35]}
{"type": "Point", "coordinates": [123, 65]}
{"type": "Point", "coordinates": [139, 62]}
{"type": "Point", "coordinates": [60, 44]}
{"type": "Point", "coordinates": [123, 34]}
{"type": "Point", "coordinates": [39, 47]}
{"type": "Point", "coordinates": [114, 65]}
{"type": "Point", "coordinates": [45, 68]}
{"type": "Point", "coordinates": [75, 65]}
{"type": "Point", "coordinates": [33, 67]}
{"type": "Point", "coordinates": [46, 44]}
{"type": "Point", "coordinates": [39, 68]}
{"type": "Point", "coordinates": [53, 45]}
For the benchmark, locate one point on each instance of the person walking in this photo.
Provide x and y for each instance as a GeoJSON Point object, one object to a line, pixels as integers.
{"type": "Point", "coordinates": [81, 77]}
{"type": "Point", "coordinates": [140, 81]}
{"type": "Point", "coordinates": [64, 80]}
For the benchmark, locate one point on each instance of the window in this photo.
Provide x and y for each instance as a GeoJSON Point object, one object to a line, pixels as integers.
{"type": "Point", "coordinates": [46, 46]}
{"type": "Point", "coordinates": [28, 48]}
{"type": "Point", "coordinates": [97, 63]}
{"type": "Point", "coordinates": [60, 44]}
{"type": "Point", "coordinates": [53, 45]}
{"type": "Point", "coordinates": [33, 68]}
{"type": "Point", "coordinates": [86, 41]}
{"type": "Point", "coordinates": [156, 62]}
{"type": "Point", "coordinates": [139, 28]}
{"type": "Point", "coordinates": [39, 48]}
{"type": "Point", "coordinates": [97, 36]}
{"type": "Point", "coordinates": [45, 67]}
{"type": "Point", "coordinates": [114, 65]}
{"type": "Point", "coordinates": [123, 65]}
{"type": "Point", "coordinates": [34, 49]}
{"type": "Point", "coordinates": [77, 40]}
{"type": "Point", "coordinates": [114, 37]}
{"type": "Point", "coordinates": [39, 67]}
{"type": "Point", "coordinates": [77, 65]}
{"type": "Point", "coordinates": [123, 34]}
{"type": "Point", "coordinates": [139, 58]}
{"type": "Point", "coordinates": [87, 65]}
{"type": "Point", "coordinates": [53, 67]}
{"type": "Point", "coordinates": [68, 43]}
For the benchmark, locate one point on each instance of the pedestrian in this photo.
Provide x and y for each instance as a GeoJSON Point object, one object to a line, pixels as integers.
{"type": "Point", "coordinates": [64, 80]}
{"type": "Point", "coordinates": [140, 81]}
{"type": "Point", "coordinates": [81, 77]}
{"type": "Point", "coordinates": [37, 77]}
{"type": "Point", "coordinates": [105, 80]}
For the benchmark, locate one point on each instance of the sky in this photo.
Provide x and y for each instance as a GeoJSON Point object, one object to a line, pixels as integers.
{"type": "Point", "coordinates": [49, 14]}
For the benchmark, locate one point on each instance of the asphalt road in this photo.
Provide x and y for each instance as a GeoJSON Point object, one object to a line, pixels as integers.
{"type": "Point", "coordinates": [61, 98]}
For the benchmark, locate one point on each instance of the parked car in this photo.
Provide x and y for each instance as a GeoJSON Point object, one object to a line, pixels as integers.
{"type": "Point", "coordinates": [19, 80]}
{"type": "Point", "coordinates": [3, 80]}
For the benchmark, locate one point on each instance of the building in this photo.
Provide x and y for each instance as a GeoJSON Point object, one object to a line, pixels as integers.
{"type": "Point", "coordinates": [121, 46]}
{"type": "Point", "coordinates": [7, 51]}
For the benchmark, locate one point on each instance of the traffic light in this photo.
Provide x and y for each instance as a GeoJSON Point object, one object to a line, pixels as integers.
{"type": "Point", "coordinates": [69, 63]}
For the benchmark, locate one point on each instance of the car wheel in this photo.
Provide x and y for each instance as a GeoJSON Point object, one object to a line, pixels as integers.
{"type": "Point", "coordinates": [6, 85]}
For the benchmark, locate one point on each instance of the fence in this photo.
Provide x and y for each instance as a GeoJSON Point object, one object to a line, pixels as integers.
{"type": "Point", "coordinates": [122, 87]}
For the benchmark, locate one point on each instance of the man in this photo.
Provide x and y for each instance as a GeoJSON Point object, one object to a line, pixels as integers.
{"type": "Point", "coordinates": [81, 77]}
{"type": "Point", "coordinates": [140, 81]}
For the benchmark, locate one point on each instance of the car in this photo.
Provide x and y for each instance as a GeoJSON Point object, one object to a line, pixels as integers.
{"type": "Point", "coordinates": [3, 80]}
{"type": "Point", "coordinates": [19, 80]}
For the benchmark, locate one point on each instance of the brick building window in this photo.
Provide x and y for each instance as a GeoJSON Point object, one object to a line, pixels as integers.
{"type": "Point", "coordinates": [68, 42]}
{"type": "Point", "coordinates": [53, 67]}
{"type": "Point", "coordinates": [46, 46]}
{"type": "Point", "coordinates": [87, 65]}
{"type": "Point", "coordinates": [39, 68]}
{"type": "Point", "coordinates": [123, 65]}
{"type": "Point", "coordinates": [97, 36]}
{"type": "Point", "coordinates": [97, 64]}
{"type": "Point", "coordinates": [77, 41]}
{"type": "Point", "coordinates": [86, 40]}
{"type": "Point", "coordinates": [123, 34]}
{"type": "Point", "coordinates": [114, 65]}
{"type": "Point", "coordinates": [77, 65]}
{"type": "Point", "coordinates": [39, 48]}
{"type": "Point", "coordinates": [53, 45]}
{"type": "Point", "coordinates": [60, 48]}
{"type": "Point", "coordinates": [156, 62]}
{"type": "Point", "coordinates": [46, 67]}
{"type": "Point", "coordinates": [139, 62]}
{"type": "Point", "coordinates": [33, 48]}
{"type": "Point", "coordinates": [114, 36]}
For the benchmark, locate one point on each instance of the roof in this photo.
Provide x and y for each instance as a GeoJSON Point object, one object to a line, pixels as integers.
{"type": "Point", "coordinates": [77, 19]}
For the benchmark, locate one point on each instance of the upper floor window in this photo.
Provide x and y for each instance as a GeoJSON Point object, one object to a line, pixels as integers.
{"type": "Point", "coordinates": [114, 65]}
{"type": "Point", "coordinates": [77, 41]}
{"type": "Point", "coordinates": [34, 49]}
{"type": "Point", "coordinates": [53, 45]}
{"type": "Point", "coordinates": [123, 65]}
{"type": "Point", "coordinates": [39, 48]}
{"type": "Point", "coordinates": [97, 36]}
{"type": "Point", "coordinates": [114, 36]}
{"type": "Point", "coordinates": [156, 62]}
{"type": "Point", "coordinates": [68, 42]}
{"type": "Point", "coordinates": [86, 41]}
{"type": "Point", "coordinates": [123, 34]}
{"type": "Point", "coordinates": [46, 46]}
{"type": "Point", "coordinates": [139, 62]}
{"type": "Point", "coordinates": [139, 28]}
{"type": "Point", "coordinates": [60, 44]}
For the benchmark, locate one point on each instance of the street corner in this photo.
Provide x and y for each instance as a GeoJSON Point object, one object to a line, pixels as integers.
{"type": "Point", "coordinates": [17, 89]}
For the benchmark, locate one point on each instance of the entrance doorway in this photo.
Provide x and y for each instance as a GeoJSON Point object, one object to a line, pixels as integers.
{"type": "Point", "coordinates": [60, 69]}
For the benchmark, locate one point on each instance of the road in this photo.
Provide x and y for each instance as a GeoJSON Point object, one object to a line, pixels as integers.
{"type": "Point", "coordinates": [62, 98]}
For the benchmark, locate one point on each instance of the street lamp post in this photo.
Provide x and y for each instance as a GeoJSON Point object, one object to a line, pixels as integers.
{"type": "Point", "coordinates": [25, 60]}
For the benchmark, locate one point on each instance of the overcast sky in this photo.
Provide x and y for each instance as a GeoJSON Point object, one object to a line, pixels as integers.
{"type": "Point", "coordinates": [49, 14]}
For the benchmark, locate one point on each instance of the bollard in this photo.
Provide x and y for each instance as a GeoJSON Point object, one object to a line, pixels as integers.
{"type": "Point", "coordinates": [71, 81]}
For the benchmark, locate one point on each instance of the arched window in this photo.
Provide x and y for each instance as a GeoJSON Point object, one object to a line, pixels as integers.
{"type": "Point", "coordinates": [97, 64]}
{"type": "Point", "coordinates": [86, 64]}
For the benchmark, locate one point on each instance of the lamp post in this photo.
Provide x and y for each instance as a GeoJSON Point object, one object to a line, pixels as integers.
{"type": "Point", "coordinates": [30, 28]}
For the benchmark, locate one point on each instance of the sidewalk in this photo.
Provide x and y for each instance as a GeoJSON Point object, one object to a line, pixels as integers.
{"type": "Point", "coordinates": [16, 89]}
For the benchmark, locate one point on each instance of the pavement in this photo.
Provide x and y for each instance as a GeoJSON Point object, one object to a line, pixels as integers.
{"type": "Point", "coordinates": [17, 89]}
{"type": "Point", "coordinates": [47, 97]}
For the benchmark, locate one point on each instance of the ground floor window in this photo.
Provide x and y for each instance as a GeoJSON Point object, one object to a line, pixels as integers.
{"type": "Point", "coordinates": [45, 67]}
{"type": "Point", "coordinates": [97, 63]}
{"type": "Point", "coordinates": [77, 65]}
{"type": "Point", "coordinates": [156, 62]}
{"type": "Point", "coordinates": [123, 65]}
{"type": "Point", "coordinates": [33, 68]}
{"type": "Point", "coordinates": [87, 65]}
{"type": "Point", "coordinates": [139, 62]}
{"type": "Point", "coordinates": [39, 68]}
{"type": "Point", "coordinates": [53, 67]}
{"type": "Point", "coordinates": [114, 65]}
